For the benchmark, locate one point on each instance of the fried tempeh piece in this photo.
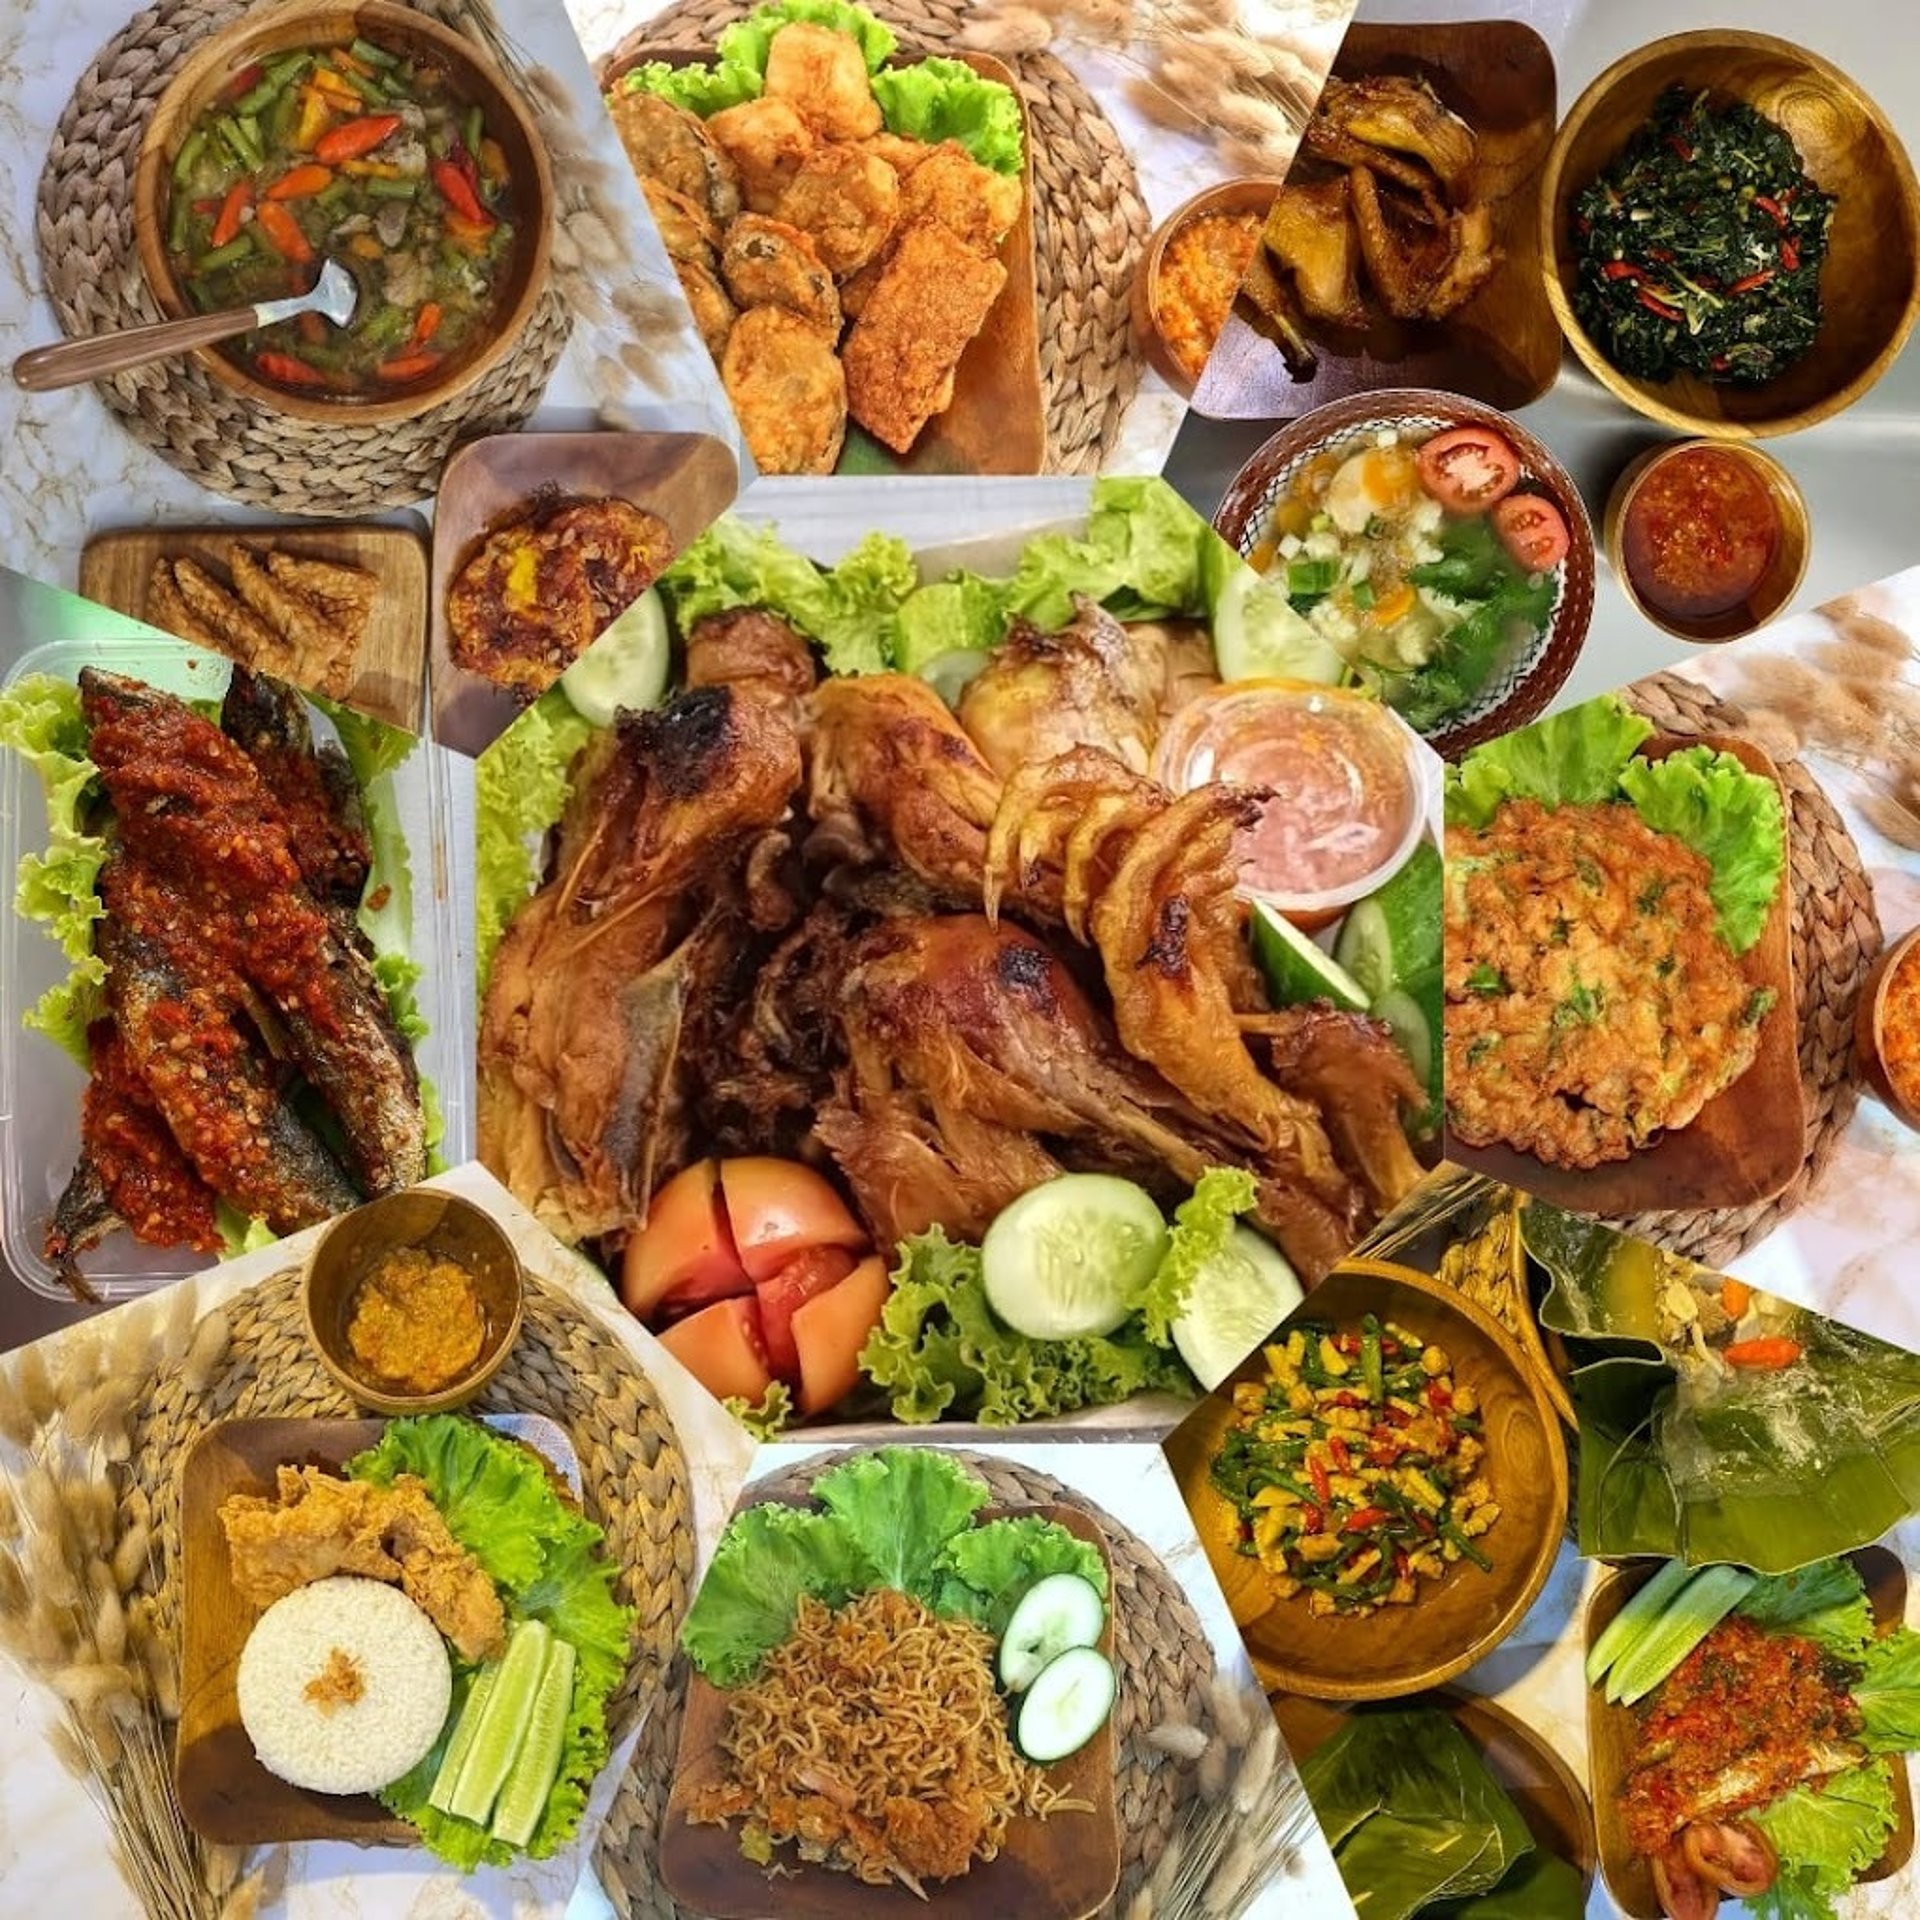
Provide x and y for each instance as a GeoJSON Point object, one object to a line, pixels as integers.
{"type": "Point", "coordinates": [930, 303]}
{"type": "Point", "coordinates": [344, 594]}
{"type": "Point", "coordinates": [232, 625]}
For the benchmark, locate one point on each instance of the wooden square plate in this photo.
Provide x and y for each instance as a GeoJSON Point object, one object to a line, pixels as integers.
{"type": "Point", "coordinates": [1064, 1868]}
{"type": "Point", "coordinates": [1611, 1731]}
{"type": "Point", "coordinates": [1503, 346]}
{"type": "Point", "coordinates": [225, 1794]}
{"type": "Point", "coordinates": [1747, 1142]}
{"type": "Point", "coordinates": [996, 421]}
{"type": "Point", "coordinates": [688, 479]}
{"type": "Point", "coordinates": [388, 671]}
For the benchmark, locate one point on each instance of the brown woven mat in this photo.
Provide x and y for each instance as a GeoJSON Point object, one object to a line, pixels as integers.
{"type": "Point", "coordinates": [1090, 223]}
{"type": "Point", "coordinates": [246, 451]}
{"type": "Point", "coordinates": [1159, 1647]}
{"type": "Point", "coordinates": [1836, 934]}
{"type": "Point", "coordinates": [565, 1365]}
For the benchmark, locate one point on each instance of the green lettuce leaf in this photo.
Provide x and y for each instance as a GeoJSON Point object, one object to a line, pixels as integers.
{"type": "Point", "coordinates": [938, 99]}
{"type": "Point", "coordinates": [1574, 758]}
{"type": "Point", "coordinates": [767, 1558]}
{"type": "Point", "coordinates": [1825, 1836]}
{"type": "Point", "coordinates": [372, 747]}
{"type": "Point", "coordinates": [746, 42]}
{"type": "Point", "coordinates": [521, 785]}
{"type": "Point", "coordinates": [900, 1506]}
{"type": "Point", "coordinates": [988, 1569]}
{"type": "Point", "coordinates": [1146, 555]}
{"type": "Point", "coordinates": [1888, 1693]}
{"type": "Point", "coordinates": [1825, 1603]}
{"type": "Point", "coordinates": [1733, 818]}
{"type": "Point", "coordinates": [1201, 1226]}
{"type": "Point", "coordinates": [698, 88]}
{"type": "Point", "coordinates": [960, 614]}
{"type": "Point", "coordinates": [767, 1420]}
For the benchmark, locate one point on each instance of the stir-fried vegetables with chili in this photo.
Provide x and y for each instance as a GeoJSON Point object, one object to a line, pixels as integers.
{"type": "Point", "coordinates": [359, 154]}
{"type": "Point", "coordinates": [1355, 1467]}
{"type": "Point", "coordinates": [1699, 249]}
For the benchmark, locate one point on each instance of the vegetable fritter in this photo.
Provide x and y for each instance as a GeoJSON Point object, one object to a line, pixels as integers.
{"type": "Point", "coordinates": [1591, 1004]}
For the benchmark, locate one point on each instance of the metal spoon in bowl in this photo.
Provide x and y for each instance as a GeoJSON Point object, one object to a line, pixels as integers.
{"type": "Point", "coordinates": [334, 294]}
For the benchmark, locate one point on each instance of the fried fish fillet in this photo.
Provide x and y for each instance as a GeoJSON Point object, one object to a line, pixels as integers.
{"type": "Point", "coordinates": [928, 306]}
{"type": "Point", "coordinates": [788, 389]}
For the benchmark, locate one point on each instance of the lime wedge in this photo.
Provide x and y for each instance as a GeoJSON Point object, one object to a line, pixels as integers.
{"type": "Point", "coordinates": [1298, 971]}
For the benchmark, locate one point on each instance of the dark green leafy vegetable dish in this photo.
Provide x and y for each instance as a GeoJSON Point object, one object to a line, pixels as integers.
{"type": "Point", "coordinates": [1699, 250]}
{"type": "Point", "coordinates": [360, 154]}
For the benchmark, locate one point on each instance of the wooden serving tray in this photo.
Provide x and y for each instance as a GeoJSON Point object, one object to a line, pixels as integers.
{"type": "Point", "coordinates": [688, 479]}
{"type": "Point", "coordinates": [390, 672]}
{"type": "Point", "coordinates": [996, 421]}
{"type": "Point", "coordinates": [1063, 1868]}
{"type": "Point", "coordinates": [1611, 1731]}
{"type": "Point", "coordinates": [1748, 1142]}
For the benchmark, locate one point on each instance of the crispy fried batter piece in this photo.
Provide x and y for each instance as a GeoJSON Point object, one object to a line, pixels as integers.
{"type": "Point", "coordinates": [822, 74]}
{"type": "Point", "coordinates": [930, 303]}
{"type": "Point", "coordinates": [668, 144]}
{"type": "Point", "coordinates": [974, 203]}
{"type": "Point", "coordinates": [766, 140]}
{"type": "Point", "coordinates": [230, 624]}
{"type": "Point", "coordinates": [788, 390]}
{"type": "Point", "coordinates": [900, 153]}
{"type": "Point", "coordinates": [713, 312]}
{"type": "Point", "coordinates": [767, 263]}
{"type": "Point", "coordinates": [686, 228]}
{"type": "Point", "coordinates": [1310, 234]}
{"type": "Point", "coordinates": [847, 202]}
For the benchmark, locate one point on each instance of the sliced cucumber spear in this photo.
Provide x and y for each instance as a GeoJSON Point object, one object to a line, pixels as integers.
{"type": "Point", "coordinates": [1700, 1607]}
{"type": "Point", "coordinates": [503, 1723]}
{"type": "Point", "coordinates": [1624, 1629]}
{"type": "Point", "coordinates": [524, 1797]}
{"type": "Point", "coordinates": [464, 1729]}
{"type": "Point", "coordinates": [1067, 1704]}
{"type": "Point", "coordinates": [1055, 1615]}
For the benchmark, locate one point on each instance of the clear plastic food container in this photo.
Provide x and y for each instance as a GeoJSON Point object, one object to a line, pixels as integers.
{"type": "Point", "coordinates": [41, 1087]}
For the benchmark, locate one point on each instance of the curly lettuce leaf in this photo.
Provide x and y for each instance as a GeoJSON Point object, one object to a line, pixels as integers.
{"type": "Point", "coordinates": [699, 89]}
{"type": "Point", "coordinates": [1888, 1693]}
{"type": "Point", "coordinates": [768, 1557]}
{"type": "Point", "coordinates": [1733, 818]}
{"type": "Point", "coordinates": [1202, 1224]}
{"type": "Point", "coordinates": [768, 1419]}
{"type": "Point", "coordinates": [1825, 1837]}
{"type": "Point", "coordinates": [1574, 758]}
{"type": "Point", "coordinates": [747, 42]}
{"type": "Point", "coordinates": [960, 614]}
{"type": "Point", "coordinates": [521, 785]}
{"type": "Point", "coordinates": [987, 1569]}
{"type": "Point", "coordinates": [372, 747]}
{"type": "Point", "coordinates": [939, 99]}
{"type": "Point", "coordinates": [900, 1506]}
{"type": "Point", "coordinates": [1825, 1603]}
{"type": "Point", "coordinates": [1146, 555]}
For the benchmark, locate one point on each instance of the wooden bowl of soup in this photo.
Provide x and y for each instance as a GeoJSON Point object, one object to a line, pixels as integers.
{"type": "Point", "coordinates": [369, 134]}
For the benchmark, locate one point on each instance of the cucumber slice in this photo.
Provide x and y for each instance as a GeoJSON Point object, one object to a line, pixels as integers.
{"type": "Point", "coordinates": [1067, 1704]}
{"type": "Point", "coordinates": [1055, 1615]}
{"type": "Point", "coordinates": [1411, 1028]}
{"type": "Point", "coordinates": [949, 674]}
{"type": "Point", "coordinates": [627, 667]}
{"type": "Point", "coordinates": [1623, 1631]}
{"type": "Point", "coordinates": [1693, 1614]}
{"type": "Point", "coordinates": [1297, 970]}
{"type": "Point", "coordinates": [1394, 933]}
{"type": "Point", "coordinates": [524, 1797]}
{"type": "Point", "coordinates": [1073, 1257]}
{"type": "Point", "coordinates": [1258, 635]}
{"type": "Point", "coordinates": [1236, 1300]}
{"type": "Point", "coordinates": [503, 1723]}
{"type": "Point", "coordinates": [472, 1708]}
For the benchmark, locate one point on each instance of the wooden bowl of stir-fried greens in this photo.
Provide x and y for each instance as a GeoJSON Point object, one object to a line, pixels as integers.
{"type": "Point", "coordinates": [1730, 234]}
{"type": "Point", "coordinates": [369, 134]}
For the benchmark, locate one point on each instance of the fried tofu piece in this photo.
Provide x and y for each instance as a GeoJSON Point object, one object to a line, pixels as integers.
{"type": "Point", "coordinates": [900, 153]}
{"type": "Point", "coordinates": [931, 301]}
{"type": "Point", "coordinates": [767, 142]}
{"type": "Point", "coordinates": [767, 263]}
{"type": "Point", "coordinates": [788, 389]}
{"type": "Point", "coordinates": [847, 202]}
{"type": "Point", "coordinates": [972, 202]}
{"type": "Point", "coordinates": [672, 146]}
{"type": "Point", "coordinates": [822, 74]}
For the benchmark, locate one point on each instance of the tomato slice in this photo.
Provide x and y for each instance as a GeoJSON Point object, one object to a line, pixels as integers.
{"type": "Point", "coordinates": [799, 1281]}
{"type": "Point", "coordinates": [1733, 1855]}
{"type": "Point", "coordinates": [685, 1248]}
{"type": "Point", "coordinates": [1532, 531]}
{"type": "Point", "coordinates": [1468, 468]}
{"type": "Point", "coordinates": [720, 1346]}
{"type": "Point", "coordinates": [779, 1208]}
{"type": "Point", "coordinates": [831, 1329]}
{"type": "Point", "coordinates": [1682, 1894]}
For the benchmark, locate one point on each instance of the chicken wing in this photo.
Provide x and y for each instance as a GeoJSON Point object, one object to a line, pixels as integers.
{"type": "Point", "coordinates": [766, 140]}
{"type": "Point", "coordinates": [1310, 234]}
{"type": "Point", "coordinates": [822, 74]}
{"type": "Point", "coordinates": [788, 389]}
{"type": "Point", "coordinates": [668, 144]}
{"type": "Point", "coordinates": [767, 263]}
{"type": "Point", "coordinates": [847, 201]}
{"type": "Point", "coordinates": [1402, 113]}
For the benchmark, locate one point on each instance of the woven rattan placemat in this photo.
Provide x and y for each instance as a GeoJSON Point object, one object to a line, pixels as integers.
{"type": "Point", "coordinates": [246, 451]}
{"type": "Point", "coordinates": [1836, 934]}
{"type": "Point", "coordinates": [1090, 223]}
{"type": "Point", "coordinates": [1160, 1649]}
{"type": "Point", "coordinates": [564, 1365]}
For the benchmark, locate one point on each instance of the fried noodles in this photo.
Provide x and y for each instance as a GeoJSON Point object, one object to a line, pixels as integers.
{"type": "Point", "coordinates": [875, 1739]}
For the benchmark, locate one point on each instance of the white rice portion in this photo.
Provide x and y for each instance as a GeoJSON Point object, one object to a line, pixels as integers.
{"type": "Point", "coordinates": [358, 1746]}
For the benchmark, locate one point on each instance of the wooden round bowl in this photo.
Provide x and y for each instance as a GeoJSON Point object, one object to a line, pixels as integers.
{"type": "Point", "coordinates": [419, 1217]}
{"type": "Point", "coordinates": [1869, 1027]}
{"type": "Point", "coordinates": [1522, 691]}
{"type": "Point", "coordinates": [1456, 1620]}
{"type": "Point", "coordinates": [1870, 284]}
{"type": "Point", "coordinates": [1249, 195]}
{"type": "Point", "coordinates": [262, 32]}
{"type": "Point", "coordinates": [1778, 584]}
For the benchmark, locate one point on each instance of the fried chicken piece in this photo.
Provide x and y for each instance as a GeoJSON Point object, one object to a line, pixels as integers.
{"type": "Point", "coordinates": [752, 649]}
{"type": "Point", "coordinates": [685, 229]}
{"type": "Point", "coordinates": [1342, 150]}
{"type": "Point", "coordinates": [847, 201]}
{"type": "Point", "coordinates": [1403, 114]}
{"type": "Point", "coordinates": [1405, 273]}
{"type": "Point", "coordinates": [767, 263]}
{"type": "Point", "coordinates": [1309, 232]}
{"type": "Point", "coordinates": [713, 312]}
{"type": "Point", "coordinates": [974, 203]}
{"type": "Point", "coordinates": [822, 74]}
{"type": "Point", "coordinates": [438, 1574]}
{"type": "Point", "coordinates": [1474, 257]}
{"type": "Point", "coordinates": [788, 391]}
{"type": "Point", "coordinates": [766, 140]}
{"type": "Point", "coordinates": [930, 303]}
{"type": "Point", "coordinates": [668, 144]}
{"type": "Point", "coordinates": [931, 1842]}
